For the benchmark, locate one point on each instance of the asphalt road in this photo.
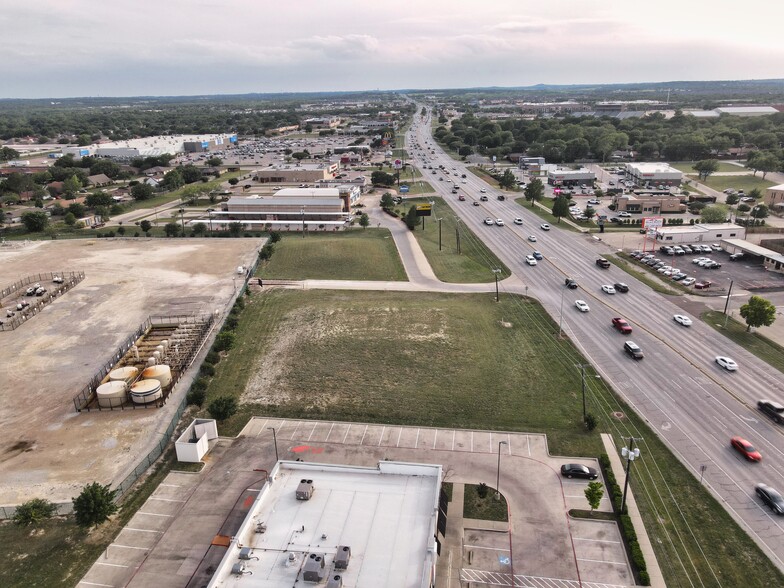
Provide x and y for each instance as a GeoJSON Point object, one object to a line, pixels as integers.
{"type": "Point", "coordinates": [694, 406]}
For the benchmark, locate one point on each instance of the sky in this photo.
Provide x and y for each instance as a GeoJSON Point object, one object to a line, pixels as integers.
{"type": "Point", "coordinates": [65, 48]}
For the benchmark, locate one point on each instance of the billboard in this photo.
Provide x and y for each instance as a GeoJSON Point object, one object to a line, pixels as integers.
{"type": "Point", "coordinates": [398, 164]}
{"type": "Point", "coordinates": [404, 189]}
{"type": "Point", "coordinates": [424, 209]}
{"type": "Point", "coordinates": [652, 222]}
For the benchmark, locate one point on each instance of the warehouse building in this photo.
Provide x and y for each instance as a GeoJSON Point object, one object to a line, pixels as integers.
{"type": "Point", "coordinates": [153, 146]}
{"type": "Point", "coordinates": [653, 174]}
{"type": "Point", "coordinates": [336, 525]}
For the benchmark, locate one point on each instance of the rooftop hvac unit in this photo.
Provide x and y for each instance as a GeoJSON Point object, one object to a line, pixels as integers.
{"type": "Point", "coordinates": [245, 553]}
{"type": "Point", "coordinates": [305, 490]}
{"type": "Point", "coordinates": [314, 568]}
{"type": "Point", "coordinates": [335, 582]}
{"type": "Point", "coordinates": [342, 557]}
{"type": "Point", "coordinates": [238, 569]}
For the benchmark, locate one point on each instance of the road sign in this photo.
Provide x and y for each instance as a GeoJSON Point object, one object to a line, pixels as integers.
{"type": "Point", "coordinates": [404, 189]}
{"type": "Point", "coordinates": [398, 164]}
{"type": "Point", "coordinates": [652, 222]}
{"type": "Point", "coordinates": [424, 209]}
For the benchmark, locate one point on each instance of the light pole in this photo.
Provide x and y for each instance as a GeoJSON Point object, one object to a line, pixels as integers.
{"type": "Point", "coordinates": [182, 220]}
{"type": "Point", "coordinates": [439, 233]}
{"type": "Point", "coordinates": [631, 453]}
{"type": "Point", "coordinates": [582, 367]}
{"type": "Point", "coordinates": [727, 304]}
{"type": "Point", "coordinates": [209, 214]}
{"type": "Point", "coordinates": [498, 471]}
{"type": "Point", "coordinates": [275, 441]}
{"type": "Point", "coordinates": [496, 272]}
{"type": "Point", "coordinates": [302, 212]}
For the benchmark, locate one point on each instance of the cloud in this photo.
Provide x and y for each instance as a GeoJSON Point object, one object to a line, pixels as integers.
{"type": "Point", "coordinates": [520, 27]}
{"type": "Point", "coordinates": [346, 47]}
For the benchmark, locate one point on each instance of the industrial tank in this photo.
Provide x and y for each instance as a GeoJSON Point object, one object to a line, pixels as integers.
{"type": "Point", "coordinates": [124, 374]}
{"type": "Point", "coordinates": [111, 394]}
{"type": "Point", "coordinates": [146, 391]}
{"type": "Point", "coordinates": [161, 373]}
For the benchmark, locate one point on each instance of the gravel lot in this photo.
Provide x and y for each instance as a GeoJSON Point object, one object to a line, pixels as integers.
{"type": "Point", "coordinates": [51, 450]}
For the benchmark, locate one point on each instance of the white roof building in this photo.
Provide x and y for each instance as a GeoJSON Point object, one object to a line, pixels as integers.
{"type": "Point", "coordinates": [307, 514]}
{"type": "Point", "coordinates": [653, 172]}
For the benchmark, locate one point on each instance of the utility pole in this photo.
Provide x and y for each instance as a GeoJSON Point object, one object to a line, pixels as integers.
{"type": "Point", "coordinates": [496, 272]}
{"type": "Point", "coordinates": [582, 377]}
{"type": "Point", "coordinates": [457, 235]}
{"type": "Point", "coordinates": [727, 304]}
{"type": "Point", "coordinates": [275, 440]}
{"type": "Point", "coordinates": [498, 472]}
{"type": "Point", "coordinates": [439, 233]}
{"type": "Point", "coordinates": [631, 453]}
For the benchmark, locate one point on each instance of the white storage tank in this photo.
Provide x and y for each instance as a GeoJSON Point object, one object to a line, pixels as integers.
{"type": "Point", "coordinates": [161, 373]}
{"type": "Point", "coordinates": [124, 374]}
{"type": "Point", "coordinates": [111, 394]}
{"type": "Point", "coordinates": [151, 361]}
{"type": "Point", "coordinates": [146, 391]}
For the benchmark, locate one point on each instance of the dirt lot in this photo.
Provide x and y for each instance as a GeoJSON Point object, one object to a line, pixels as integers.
{"type": "Point", "coordinates": [50, 450]}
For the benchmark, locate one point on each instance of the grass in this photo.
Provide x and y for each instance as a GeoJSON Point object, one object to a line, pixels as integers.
{"type": "Point", "coordinates": [168, 197]}
{"type": "Point", "coordinates": [592, 515]}
{"type": "Point", "coordinates": [357, 254]}
{"type": "Point", "coordinates": [768, 351]}
{"type": "Point", "coordinates": [416, 188]}
{"type": "Point", "coordinates": [547, 216]}
{"type": "Point", "coordinates": [641, 273]}
{"type": "Point", "coordinates": [746, 183]}
{"type": "Point", "coordinates": [484, 509]}
{"type": "Point", "coordinates": [474, 264]}
{"type": "Point", "coordinates": [686, 167]}
{"type": "Point", "coordinates": [446, 360]}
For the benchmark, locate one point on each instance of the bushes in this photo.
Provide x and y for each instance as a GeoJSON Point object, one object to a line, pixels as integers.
{"type": "Point", "coordinates": [94, 505]}
{"type": "Point", "coordinates": [196, 396]}
{"type": "Point", "coordinates": [222, 408]}
{"type": "Point", "coordinates": [207, 370]}
{"type": "Point", "coordinates": [212, 357]}
{"type": "Point", "coordinates": [224, 341]}
{"type": "Point", "coordinates": [34, 511]}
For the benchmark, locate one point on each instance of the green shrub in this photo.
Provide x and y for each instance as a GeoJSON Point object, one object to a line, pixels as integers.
{"type": "Point", "coordinates": [637, 558]}
{"type": "Point", "coordinates": [222, 408]}
{"type": "Point", "coordinates": [196, 396]}
{"type": "Point", "coordinates": [212, 358]}
{"type": "Point", "coordinates": [224, 341]}
{"type": "Point", "coordinates": [482, 490]}
{"type": "Point", "coordinates": [94, 505]}
{"type": "Point", "coordinates": [645, 578]}
{"type": "Point", "coordinates": [34, 511]}
{"type": "Point", "coordinates": [231, 322]}
{"type": "Point", "coordinates": [590, 422]}
{"type": "Point", "coordinates": [207, 369]}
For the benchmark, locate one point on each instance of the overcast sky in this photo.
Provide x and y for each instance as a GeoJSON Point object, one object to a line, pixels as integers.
{"type": "Point", "coordinates": [58, 48]}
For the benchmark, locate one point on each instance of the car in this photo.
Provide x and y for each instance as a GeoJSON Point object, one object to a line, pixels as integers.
{"type": "Point", "coordinates": [537, 255]}
{"type": "Point", "coordinates": [544, 227]}
{"type": "Point", "coordinates": [489, 221]}
{"type": "Point", "coordinates": [633, 350]}
{"type": "Point", "coordinates": [461, 198]}
{"type": "Point", "coordinates": [736, 256]}
{"type": "Point", "coordinates": [483, 198]}
{"type": "Point", "coordinates": [603, 263]}
{"type": "Point", "coordinates": [727, 363]}
{"type": "Point", "coordinates": [699, 260]}
{"type": "Point", "coordinates": [746, 449]}
{"type": "Point", "coordinates": [621, 325]}
{"type": "Point", "coordinates": [475, 203]}
{"type": "Point", "coordinates": [688, 281]}
{"type": "Point", "coordinates": [624, 214]}
{"type": "Point", "coordinates": [582, 306]}
{"type": "Point", "coordinates": [715, 246]}
{"type": "Point", "coordinates": [706, 249]}
{"type": "Point", "coordinates": [682, 319]}
{"type": "Point", "coordinates": [454, 191]}
{"type": "Point", "coordinates": [621, 287]}
{"type": "Point", "coordinates": [607, 289]}
{"type": "Point", "coordinates": [770, 497]}
{"type": "Point", "coordinates": [483, 191]}
{"type": "Point", "coordinates": [464, 182]}
{"type": "Point", "coordinates": [703, 285]}
{"type": "Point", "coordinates": [532, 238]}
{"type": "Point", "coordinates": [770, 407]}
{"type": "Point", "coordinates": [518, 221]}
{"type": "Point", "coordinates": [679, 276]}
{"type": "Point", "coordinates": [713, 265]}
{"type": "Point", "coordinates": [57, 280]}
{"type": "Point", "coordinates": [30, 291]}
{"type": "Point", "coordinates": [576, 470]}
{"type": "Point", "coordinates": [530, 260]}
{"type": "Point", "coordinates": [499, 222]}
{"type": "Point", "coordinates": [594, 201]}
{"type": "Point", "coordinates": [687, 249]}
{"type": "Point", "coordinates": [570, 283]}
{"type": "Point", "coordinates": [679, 250]}
{"type": "Point", "coordinates": [706, 262]}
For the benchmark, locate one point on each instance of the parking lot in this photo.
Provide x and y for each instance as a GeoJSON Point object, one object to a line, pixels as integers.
{"type": "Point", "coordinates": [545, 542]}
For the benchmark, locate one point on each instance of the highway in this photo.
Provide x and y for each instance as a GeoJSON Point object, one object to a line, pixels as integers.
{"type": "Point", "coordinates": [693, 405]}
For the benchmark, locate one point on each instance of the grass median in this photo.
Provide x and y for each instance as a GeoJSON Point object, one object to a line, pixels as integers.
{"type": "Point", "coordinates": [768, 351]}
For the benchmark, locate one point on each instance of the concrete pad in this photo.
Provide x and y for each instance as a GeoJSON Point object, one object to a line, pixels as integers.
{"type": "Point", "coordinates": [600, 552]}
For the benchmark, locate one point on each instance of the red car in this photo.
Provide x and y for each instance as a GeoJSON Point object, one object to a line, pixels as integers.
{"type": "Point", "coordinates": [702, 285]}
{"type": "Point", "coordinates": [622, 325]}
{"type": "Point", "coordinates": [745, 448]}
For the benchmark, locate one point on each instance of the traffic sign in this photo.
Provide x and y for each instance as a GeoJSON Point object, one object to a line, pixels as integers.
{"type": "Point", "coordinates": [404, 189]}
{"type": "Point", "coordinates": [398, 164]}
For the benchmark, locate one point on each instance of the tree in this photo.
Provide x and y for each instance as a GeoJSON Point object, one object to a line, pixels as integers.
{"type": "Point", "coordinates": [190, 173]}
{"type": "Point", "coordinates": [7, 154]}
{"type": "Point", "coordinates": [705, 168]}
{"type": "Point", "coordinates": [380, 178]}
{"type": "Point", "coordinates": [594, 493]}
{"type": "Point", "coordinates": [199, 229]}
{"type": "Point", "coordinates": [759, 211]}
{"type": "Point", "coordinates": [507, 180]}
{"type": "Point", "coordinates": [172, 180]}
{"type": "Point", "coordinates": [141, 192]}
{"type": "Point", "coordinates": [77, 209]}
{"type": "Point", "coordinates": [758, 312]}
{"type": "Point", "coordinates": [716, 213]}
{"type": "Point", "coordinates": [560, 207]}
{"type": "Point", "coordinates": [755, 193]}
{"type": "Point", "coordinates": [387, 201]}
{"type": "Point", "coordinates": [69, 219]}
{"type": "Point", "coordinates": [412, 220]}
{"type": "Point", "coordinates": [2, 216]}
{"type": "Point", "coordinates": [767, 162]}
{"type": "Point", "coordinates": [364, 220]}
{"type": "Point", "coordinates": [94, 505]}
{"type": "Point", "coordinates": [35, 220]}
{"type": "Point", "coordinates": [214, 161]}
{"type": "Point", "coordinates": [235, 229]}
{"type": "Point", "coordinates": [98, 199]}
{"type": "Point", "coordinates": [534, 191]}
{"type": "Point", "coordinates": [145, 226]}
{"type": "Point", "coordinates": [72, 185]}
{"type": "Point", "coordinates": [34, 511]}
{"type": "Point", "coordinates": [222, 407]}
{"type": "Point", "coordinates": [105, 167]}
{"type": "Point", "coordinates": [171, 229]}
{"type": "Point", "coordinates": [732, 199]}
{"type": "Point", "coordinates": [589, 212]}
{"type": "Point", "coordinates": [233, 181]}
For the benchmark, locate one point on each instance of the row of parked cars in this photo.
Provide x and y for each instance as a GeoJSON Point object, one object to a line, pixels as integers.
{"type": "Point", "coordinates": [675, 274]}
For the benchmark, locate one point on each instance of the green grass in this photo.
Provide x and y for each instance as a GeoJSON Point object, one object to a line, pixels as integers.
{"type": "Point", "coordinates": [484, 509]}
{"type": "Point", "coordinates": [768, 351]}
{"type": "Point", "coordinates": [476, 262]}
{"type": "Point", "coordinates": [642, 273]}
{"type": "Point", "coordinates": [446, 361]}
{"type": "Point", "coordinates": [357, 254]}
{"type": "Point", "coordinates": [547, 216]}
{"type": "Point", "coordinates": [418, 187]}
{"type": "Point", "coordinates": [168, 197]}
{"type": "Point", "coordinates": [746, 183]}
{"type": "Point", "coordinates": [686, 167]}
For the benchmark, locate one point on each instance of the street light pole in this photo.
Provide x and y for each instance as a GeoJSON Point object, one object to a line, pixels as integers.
{"type": "Point", "coordinates": [275, 440]}
{"type": "Point", "coordinates": [496, 272]}
{"type": "Point", "coordinates": [439, 234]}
{"type": "Point", "coordinates": [182, 220]}
{"type": "Point", "coordinates": [727, 304]}
{"type": "Point", "coordinates": [498, 471]}
{"type": "Point", "coordinates": [302, 211]}
{"type": "Point", "coordinates": [631, 453]}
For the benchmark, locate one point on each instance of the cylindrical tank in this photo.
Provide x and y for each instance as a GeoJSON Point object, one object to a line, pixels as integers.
{"type": "Point", "coordinates": [151, 361]}
{"type": "Point", "coordinates": [124, 374]}
{"type": "Point", "coordinates": [157, 356]}
{"type": "Point", "coordinates": [111, 394]}
{"type": "Point", "coordinates": [160, 349]}
{"type": "Point", "coordinates": [161, 372]}
{"type": "Point", "coordinates": [165, 344]}
{"type": "Point", "coordinates": [145, 391]}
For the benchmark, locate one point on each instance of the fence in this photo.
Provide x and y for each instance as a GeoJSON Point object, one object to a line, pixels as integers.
{"type": "Point", "coordinates": [18, 289]}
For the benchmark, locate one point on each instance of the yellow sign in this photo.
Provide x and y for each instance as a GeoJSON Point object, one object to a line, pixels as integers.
{"type": "Point", "coordinates": [424, 207]}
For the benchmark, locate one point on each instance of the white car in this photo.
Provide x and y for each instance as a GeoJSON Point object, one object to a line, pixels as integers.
{"type": "Point", "coordinates": [727, 363]}
{"type": "Point", "coordinates": [499, 222]}
{"type": "Point", "coordinates": [544, 227]}
{"type": "Point", "coordinates": [483, 191]}
{"type": "Point", "coordinates": [518, 221]}
{"type": "Point", "coordinates": [705, 262]}
{"type": "Point", "coordinates": [699, 259]}
{"type": "Point", "coordinates": [688, 281]}
{"type": "Point", "coordinates": [489, 221]}
{"type": "Point", "coordinates": [607, 289]}
{"type": "Point", "coordinates": [532, 238]}
{"type": "Point", "coordinates": [594, 201]}
{"type": "Point", "coordinates": [624, 214]}
{"type": "Point", "coordinates": [682, 319]}
{"type": "Point", "coordinates": [530, 260]}
{"type": "Point", "coordinates": [581, 305]}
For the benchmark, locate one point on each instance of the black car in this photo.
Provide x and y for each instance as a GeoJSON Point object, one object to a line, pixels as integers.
{"type": "Point", "coordinates": [621, 287]}
{"type": "Point", "coordinates": [770, 497]}
{"type": "Point", "coordinates": [570, 283]}
{"type": "Point", "coordinates": [576, 470]}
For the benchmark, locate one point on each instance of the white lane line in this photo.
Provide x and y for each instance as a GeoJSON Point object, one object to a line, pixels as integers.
{"type": "Point", "coordinates": [313, 430]}
{"type": "Point", "coordinates": [152, 514]}
{"type": "Point", "coordinates": [346, 435]}
{"type": "Point", "coordinates": [140, 530]}
{"type": "Point", "coordinates": [399, 435]}
{"type": "Point", "coordinates": [329, 432]}
{"type": "Point", "coordinates": [454, 432]}
{"type": "Point", "coordinates": [94, 584]}
{"type": "Point", "coordinates": [262, 427]}
{"type": "Point", "coordinates": [171, 485]}
{"type": "Point", "coordinates": [363, 435]}
{"type": "Point", "coordinates": [165, 499]}
{"type": "Point", "coordinates": [596, 540]}
{"type": "Point", "coordinates": [528, 441]}
{"type": "Point", "coordinates": [294, 432]}
{"type": "Point", "coordinates": [434, 439]}
{"type": "Point", "coordinates": [416, 443]}
{"type": "Point", "coordinates": [488, 548]}
{"type": "Point", "coordinates": [383, 428]}
{"type": "Point", "coordinates": [100, 563]}
{"type": "Point", "coordinates": [129, 547]}
{"type": "Point", "coordinates": [615, 563]}
{"type": "Point", "coordinates": [472, 441]}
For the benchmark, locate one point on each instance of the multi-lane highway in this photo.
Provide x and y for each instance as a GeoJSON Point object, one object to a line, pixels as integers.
{"type": "Point", "coordinates": [694, 405]}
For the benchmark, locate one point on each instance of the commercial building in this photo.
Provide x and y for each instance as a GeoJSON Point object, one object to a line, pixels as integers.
{"type": "Point", "coordinates": [571, 177]}
{"type": "Point", "coordinates": [322, 122]}
{"type": "Point", "coordinates": [209, 144]}
{"type": "Point", "coordinates": [153, 146]}
{"type": "Point", "coordinates": [324, 210]}
{"type": "Point", "coordinates": [774, 197]}
{"type": "Point", "coordinates": [350, 194]}
{"type": "Point", "coordinates": [336, 525]}
{"type": "Point", "coordinates": [296, 174]}
{"type": "Point", "coordinates": [700, 233]}
{"type": "Point", "coordinates": [771, 260]}
{"type": "Point", "coordinates": [656, 174]}
{"type": "Point", "coordinates": [648, 204]}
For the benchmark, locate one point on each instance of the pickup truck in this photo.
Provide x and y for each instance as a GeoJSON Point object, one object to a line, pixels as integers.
{"type": "Point", "coordinates": [773, 409]}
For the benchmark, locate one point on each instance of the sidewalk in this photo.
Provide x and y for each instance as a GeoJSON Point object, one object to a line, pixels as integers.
{"type": "Point", "coordinates": [451, 559]}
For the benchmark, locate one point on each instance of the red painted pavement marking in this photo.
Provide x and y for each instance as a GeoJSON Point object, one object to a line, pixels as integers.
{"type": "Point", "coordinates": [248, 502]}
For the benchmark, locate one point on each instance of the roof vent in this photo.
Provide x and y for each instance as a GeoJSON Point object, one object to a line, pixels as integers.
{"type": "Point", "coordinates": [342, 557]}
{"type": "Point", "coordinates": [335, 582]}
{"type": "Point", "coordinates": [305, 489]}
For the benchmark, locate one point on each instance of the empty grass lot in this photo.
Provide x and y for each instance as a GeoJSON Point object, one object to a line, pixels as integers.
{"type": "Point", "coordinates": [474, 264]}
{"type": "Point", "coordinates": [417, 187]}
{"type": "Point", "coordinates": [357, 254]}
{"type": "Point", "coordinates": [687, 167]}
{"type": "Point", "coordinates": [746, 183]}
{"type": "Point", "coordinates": [768, 351]}
{"type": "Point", "coordinates": [447, 360]}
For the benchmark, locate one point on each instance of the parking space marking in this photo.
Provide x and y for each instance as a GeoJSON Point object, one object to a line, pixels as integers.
{"type": "Point", "coordinates": [400, 434]}
{"type": "Point", "coordinates": [140, 530]}
{"type": "Point", "coordinates": [454, 432]}
{"type": "Point", "coordinates": [615, 563]}
{"type": "Point", "coordinates": [596, 540]}
{"type": "Point", "coordinates": [346, 435]}
{"type": "Point", "coordinates": [171, 485]}
{"type": "Point", "coordinates": [261, 428]}
{"type": "Point", "coordinates": [488, 548]}
{"type": "Point", "coordinates": [94, 584]}
{"type": "Point", "coordinates": [152, 514]}
{"type": "Point", "coordinates": [295, 430]}
{"type": "Point", "coordinates": [313, 430]}
{"type": "Point", "coordinates": [166, 499]}
{"type": "Point", "coordinates": [100, 563]}
{"type": "Point", "coordinates": [416, 443]}
{"type": "Point", "coordinates": [129, 547]}
{"type": "Point", "coordinates": [329, 432]}
{"type": "Point", "coordinates": [434, 439]}
{"type": "Point", "coordinates": [384, 428]}
{"type": "Point", "coordinates": [363, 435]}
{"type": "Point", "coordinates": [472, 441]}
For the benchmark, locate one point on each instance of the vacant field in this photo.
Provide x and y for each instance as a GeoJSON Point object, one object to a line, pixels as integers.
{"type": "Point", "coordinates": [357, 254]}
{"type": "Point", "coordinates": [746, 183]}
{"type": "Point", "coordinates": [687, 167]}
{"type": "Point", "coordinates": [465, 361]}
{"type": "Point", "coordinates": [417, 187]}
{"type": "Point", "coordinates": [474, 264]}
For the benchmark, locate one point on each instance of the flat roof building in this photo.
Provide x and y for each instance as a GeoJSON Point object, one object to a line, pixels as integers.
{"type": "Point", "coordinates": [570, 177]}
{"type": "Point", "coordinates": [300, 213]}
{"type": "Point", "coordinates": [337, 525]}
{"type": "Point", "coordinates": [648, 204]}
{"type": "Point", "coordinates": [700, 233]}
{"type": "Point", "coordinates": [653, 173]}
{"type": "Point", "coordinates": [774, 197]}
